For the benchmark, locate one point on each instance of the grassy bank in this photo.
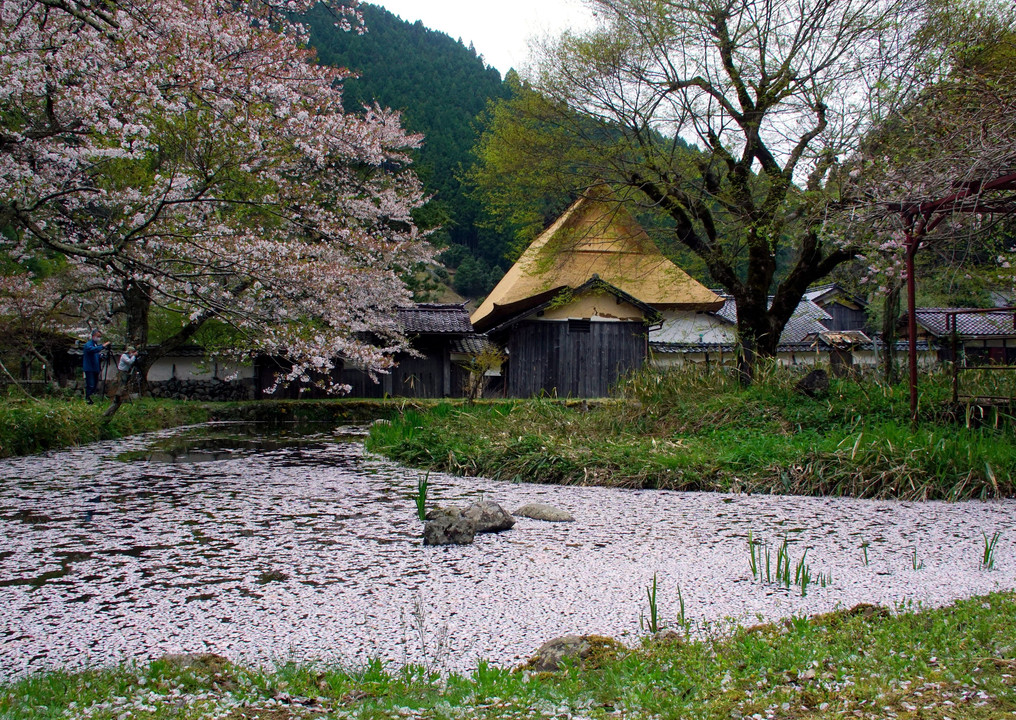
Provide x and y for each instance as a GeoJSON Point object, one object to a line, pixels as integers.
{"type": "Point", "coordinates": [957, 662]}
{"type": "Point", "coordinates": [35, 425]}
{"type": "Point", "coordinates": [700, 431]}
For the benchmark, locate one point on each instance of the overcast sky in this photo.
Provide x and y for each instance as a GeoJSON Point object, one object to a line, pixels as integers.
{"type": "Point", "coordinates": [498, 29]}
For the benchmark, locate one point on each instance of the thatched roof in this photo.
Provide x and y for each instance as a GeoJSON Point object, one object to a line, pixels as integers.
{"type": "Point", "coordinates": [595, 237]}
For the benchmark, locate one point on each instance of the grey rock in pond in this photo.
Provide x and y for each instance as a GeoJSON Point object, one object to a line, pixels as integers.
{"type": "Point", "coordinates": [489, 517]}
{"type": "Point", "coordinates": [585, 650]}
{"type": "Point", "coordinates": [539, 511]}
{"type": "Point", "coordinates": [448, 526]}
{"type": "Point", "coordinates": [815, 384]}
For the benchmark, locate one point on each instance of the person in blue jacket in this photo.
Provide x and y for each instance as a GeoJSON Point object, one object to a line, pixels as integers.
{"type": "Point", "coordinates": [91, 363]}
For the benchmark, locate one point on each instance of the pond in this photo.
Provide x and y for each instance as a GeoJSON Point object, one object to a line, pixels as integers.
{"type": "Point", "coordinates": [266, 544]}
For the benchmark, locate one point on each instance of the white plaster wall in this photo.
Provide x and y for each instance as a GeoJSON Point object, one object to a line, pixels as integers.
{"type": "Point", "coordinates": [665, 360]}
{"type": "Point", "coordinates": [864, 358]}
{"type": "Point", "coordinates": [593, 305]}
{"type": "Point", "coordinates": [689, 326]}
{"type": "Point", "coordinates": [197, 368]}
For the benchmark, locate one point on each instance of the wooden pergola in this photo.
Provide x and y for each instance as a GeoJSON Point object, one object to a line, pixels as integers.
{"type": "Point", "coordinates": [996, 196]}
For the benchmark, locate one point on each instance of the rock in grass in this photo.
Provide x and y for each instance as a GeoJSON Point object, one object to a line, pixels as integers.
{"type": "Point", "coordinates": [489, 517]}
{"type": "Point", "coordinates": [448, 526]}
{"type": "Point", "coordinates": [588, 651]}
{"type": "Point", "coordinates": [815, 384]}
{"type": "Point", "coordinates": [539, 511]}
{"type": "Point", "coordinates": [199, 662]}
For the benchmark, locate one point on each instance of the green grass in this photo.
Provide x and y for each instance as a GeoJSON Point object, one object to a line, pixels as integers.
{"type": "Point", "coordinates": [35, 425]}
{"type": "Point", "coordinates": [700, 431]}
{"type": "Point", "coordinates": [955, 662]}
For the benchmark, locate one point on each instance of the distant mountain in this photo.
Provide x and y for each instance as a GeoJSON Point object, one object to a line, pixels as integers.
{"type": "Point", "coordinates": [440, 86]}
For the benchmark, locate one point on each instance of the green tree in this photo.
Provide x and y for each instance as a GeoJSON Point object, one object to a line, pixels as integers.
{"type": "Point", "coordinates": [768, 90]}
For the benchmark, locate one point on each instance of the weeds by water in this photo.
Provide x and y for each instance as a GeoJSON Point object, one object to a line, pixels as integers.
{"type": "Point", "coordinates": [765, 568]}
{"type": "Point", "coordinates": [988, 556]}
{"type": "Point", "coordinates": [694, 430]}
{"type": "Point", "coordinates": [854, 664]}
{"type": "Point", "coordinates": [422, 485]}
{"type": "Point", "coordinates": [651, 625]}
{"type": "Point", "coordinates": [654, 624]}
{"type": "Point", "coordinates": [433, 643]}
{"type": "Point", "coordinates": [44, 424]}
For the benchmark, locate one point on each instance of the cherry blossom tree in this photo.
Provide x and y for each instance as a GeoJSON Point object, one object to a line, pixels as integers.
{"type": "Point", "coordinates": [189, 155]}
{"type": "Point", "coordinates": [940, 170]}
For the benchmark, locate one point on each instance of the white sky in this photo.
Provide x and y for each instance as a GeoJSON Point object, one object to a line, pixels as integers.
{"type": "Point", "coordinates": [499, 30]}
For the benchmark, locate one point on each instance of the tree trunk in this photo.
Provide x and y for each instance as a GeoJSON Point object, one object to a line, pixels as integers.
{"type": "Point", "coordinates": [138, 305]}
{"type": "Point", "coordinates": [890, 332]}
{"type": "Point", "coordinates": [758, 332]}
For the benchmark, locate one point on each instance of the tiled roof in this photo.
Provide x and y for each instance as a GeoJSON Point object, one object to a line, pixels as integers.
{"type": "Point", "coordinates": [832, 291]}
{"type": "Point", "coordinates": [472, 345]}
{"type": "Point", "coordinates": [969, 322]}
{"type": "Point", "coordinates": [807, 318]}
{"type": "Point", "coordinates": [435, 318]}
{"type": "Point", "coordinates": [844, 339]}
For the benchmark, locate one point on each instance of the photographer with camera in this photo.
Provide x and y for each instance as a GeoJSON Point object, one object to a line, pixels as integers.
{"type": "Point", "coordinates": [124, 370]}
{"type": "Point", "coordinates": [91, 363]}
{"type": "Point", "coordinates": [126, 365]}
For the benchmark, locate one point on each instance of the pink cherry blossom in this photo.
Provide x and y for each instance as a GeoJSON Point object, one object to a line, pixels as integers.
{"type": "Point", "coordinates": [190, 154]}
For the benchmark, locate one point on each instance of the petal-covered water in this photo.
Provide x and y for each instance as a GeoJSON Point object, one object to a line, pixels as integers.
{"type": "Point", "coordinates": [312, 551]}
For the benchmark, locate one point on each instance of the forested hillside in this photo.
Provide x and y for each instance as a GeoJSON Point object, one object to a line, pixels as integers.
{"type": "Point", "coordinates": [440, 86]}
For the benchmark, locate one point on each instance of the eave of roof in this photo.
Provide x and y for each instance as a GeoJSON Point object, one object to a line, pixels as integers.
{"type": "Point", "coordinates": [434, 319]}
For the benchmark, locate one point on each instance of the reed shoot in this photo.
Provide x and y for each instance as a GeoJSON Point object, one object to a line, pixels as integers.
{"type": "Point", "coordinates": [421, 496]}
{"type": "Point", "coordinates": [988, 558]}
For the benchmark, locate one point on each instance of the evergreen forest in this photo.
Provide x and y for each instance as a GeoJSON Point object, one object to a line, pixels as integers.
{"type": "Point", "coordinates": [440, 86]}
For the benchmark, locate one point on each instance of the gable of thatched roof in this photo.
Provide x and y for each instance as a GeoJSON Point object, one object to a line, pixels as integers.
{"type": "Point", "coordinates": [595, 237]}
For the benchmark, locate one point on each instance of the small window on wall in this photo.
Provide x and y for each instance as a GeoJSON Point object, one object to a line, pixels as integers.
{"type": "Point", "coordinates": [578, 326]}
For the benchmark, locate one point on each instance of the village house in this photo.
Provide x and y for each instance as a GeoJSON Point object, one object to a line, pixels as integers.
{"type": "Point", "coordinates": [974, 335]}
{"type": "Point", "coordinates": [442, 339]}
{"type": "Point", "coordinates": [574, 312]}
{"type": "Point", "coordinates": [592, 299]}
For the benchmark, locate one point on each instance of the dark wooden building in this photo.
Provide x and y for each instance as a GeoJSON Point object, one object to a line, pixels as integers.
{"type": "Point", "coordinates": [437, 334]}
{"type": "Point", "coordinates": [433, 370]}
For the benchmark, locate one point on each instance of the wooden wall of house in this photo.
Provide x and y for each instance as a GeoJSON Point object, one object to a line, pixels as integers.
{"type": "Point", "coordinates": [432, 376]}
{"type": "Point", "coordinates": [573, 359]}
{"type": "Point", "coordinates": [845, 318]}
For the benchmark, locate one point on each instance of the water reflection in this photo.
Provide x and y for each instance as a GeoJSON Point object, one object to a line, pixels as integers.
{"type": "Point", "coordinates": [262, 543]}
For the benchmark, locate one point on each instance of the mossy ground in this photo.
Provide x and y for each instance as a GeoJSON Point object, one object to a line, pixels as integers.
{"type": "Point", "coordinates": [956, 662]}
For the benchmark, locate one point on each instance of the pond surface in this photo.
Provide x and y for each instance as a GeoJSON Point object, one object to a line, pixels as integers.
{"type": "Point", "coordinates": [266, 547]}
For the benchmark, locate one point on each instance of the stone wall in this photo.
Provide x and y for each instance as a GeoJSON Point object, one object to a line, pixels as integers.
{"type": "Point", "coordinates": [213, 390]}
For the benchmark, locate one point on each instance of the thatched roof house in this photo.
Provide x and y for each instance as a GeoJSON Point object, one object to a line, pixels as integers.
{"type": "Point", "coordinates": [574, 310]}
